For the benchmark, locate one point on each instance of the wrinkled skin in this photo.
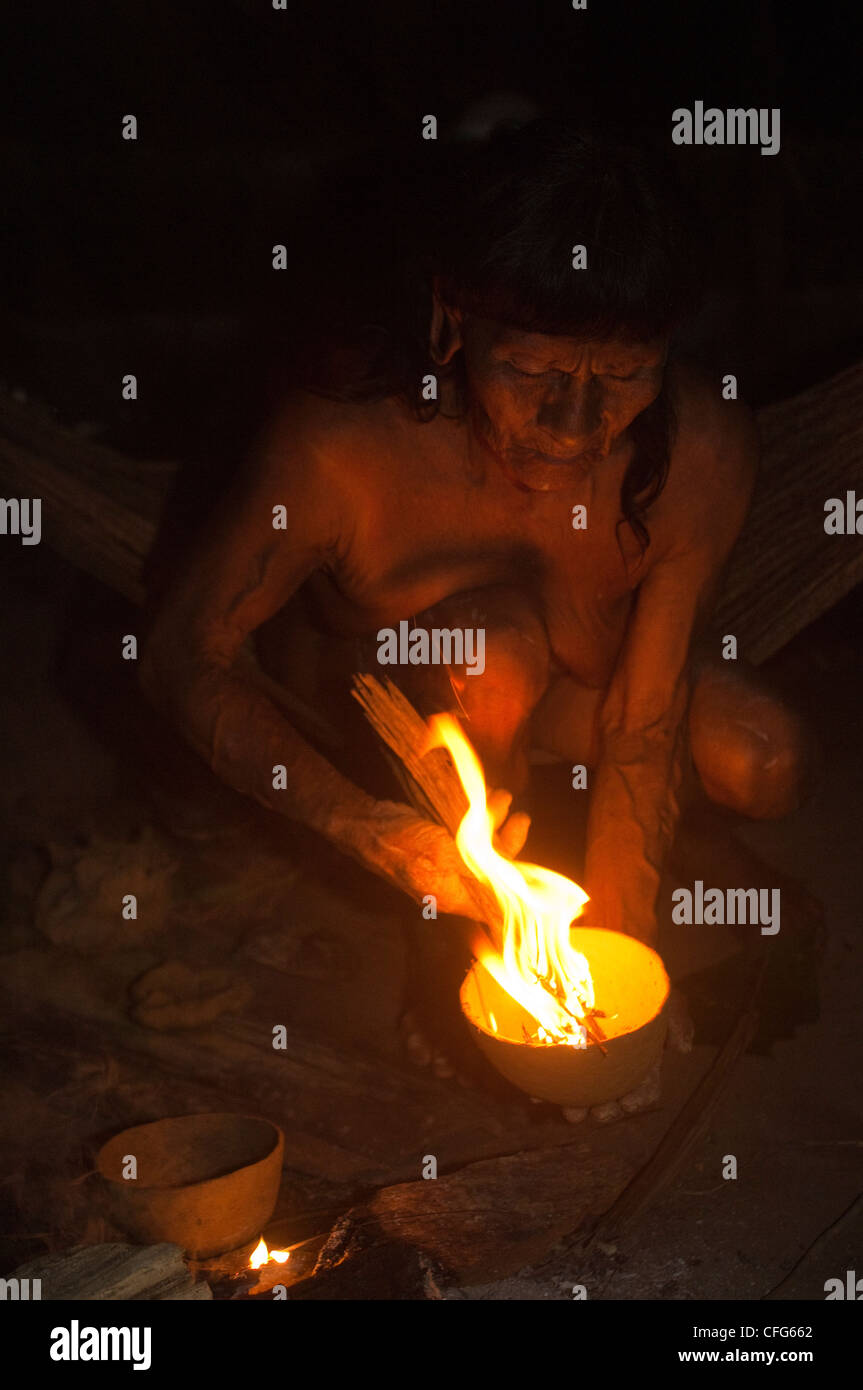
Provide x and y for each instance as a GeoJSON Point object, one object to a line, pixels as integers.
{"type": "Point", "coordinates": [468, 519]}
{"type": "Point", "coordinates": [552, 410]}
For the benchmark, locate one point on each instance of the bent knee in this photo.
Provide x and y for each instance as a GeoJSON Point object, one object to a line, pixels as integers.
{"type": "Point", "coordinates": [509, 632]}
{"type": "Point", "coordinates": [752, 753]}
{"type": "Point", "coordinates": [495, 696]}
{"type": "Point", "coordinates": [515, 674]}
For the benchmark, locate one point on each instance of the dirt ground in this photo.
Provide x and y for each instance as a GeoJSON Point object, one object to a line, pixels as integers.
{"type": "Point", "coordinates": [314, 942]}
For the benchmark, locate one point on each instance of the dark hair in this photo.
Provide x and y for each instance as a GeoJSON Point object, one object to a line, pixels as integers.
{"type": "Point", "coordinates": [497, 226]}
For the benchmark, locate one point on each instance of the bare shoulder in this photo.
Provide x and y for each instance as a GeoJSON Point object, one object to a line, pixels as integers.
{"type": "Point", "coordinates": [316, 432]}
{"type": "Point", "coordinates": [314, 458]}
{"type": "Point", "coordinates": [713, 466]}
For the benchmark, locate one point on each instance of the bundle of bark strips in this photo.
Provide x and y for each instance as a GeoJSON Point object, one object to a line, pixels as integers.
{"type": "Point", "coordinates": [428, 775]}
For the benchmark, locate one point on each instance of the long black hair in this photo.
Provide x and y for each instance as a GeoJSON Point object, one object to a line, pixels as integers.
{"type": "Point", "coordinates": [496, 224]}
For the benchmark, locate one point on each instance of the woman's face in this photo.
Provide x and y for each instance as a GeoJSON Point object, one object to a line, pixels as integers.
{"type": "Point", "coordinates": [553, 409]}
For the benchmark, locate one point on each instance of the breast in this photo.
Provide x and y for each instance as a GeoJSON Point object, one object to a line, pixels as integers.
{"type": "Point", "coordinates": [588, 601]}
{"type": "Point", "coordinates": [416, 581]}
{"type": "Point", "coordinates": [586, 642]}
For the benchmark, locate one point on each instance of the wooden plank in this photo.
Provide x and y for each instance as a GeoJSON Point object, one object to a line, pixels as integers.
{"type": "Point", "coordinates": [485, 1222]}
{"type": "Point", "coordinates": [112, 1273]}
{"type": "Point", "coordinates": [348, 1119]}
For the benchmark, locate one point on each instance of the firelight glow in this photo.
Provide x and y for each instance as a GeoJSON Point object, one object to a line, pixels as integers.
{"type": "Point", "coordinates": [537, 965]}
{"type": "Point", "coordinates": [260, 1255]}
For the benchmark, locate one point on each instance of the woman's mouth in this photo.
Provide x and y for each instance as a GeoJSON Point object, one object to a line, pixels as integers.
{"type": "Point", "coordinates": [580, 460]}
{"type": "Point", "coordinates": [539, 473]}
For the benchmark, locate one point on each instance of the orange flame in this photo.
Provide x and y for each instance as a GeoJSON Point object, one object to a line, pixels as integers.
{"type": "Point", "coordinates": [537, 964]}
{"type": "Point", "coordinates": [260, 1255]}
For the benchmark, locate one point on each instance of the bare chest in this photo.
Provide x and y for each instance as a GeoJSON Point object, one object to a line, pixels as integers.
{"type": "Point", "coordinates": [426, 529]}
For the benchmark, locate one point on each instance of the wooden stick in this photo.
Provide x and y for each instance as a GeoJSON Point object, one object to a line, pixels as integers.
{"type": "Point", "coordinates": [687, 1129]}
{"type": "Point", "coordinates": [595, 1032]}
{"type": "Point", "coordinates": [849, 1214]}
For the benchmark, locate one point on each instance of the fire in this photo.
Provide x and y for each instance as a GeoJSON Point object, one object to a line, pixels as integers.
{"type": "Point", "coordinates": [260, 1255]}
{"type": "Point", "coordinates": [537, 964]}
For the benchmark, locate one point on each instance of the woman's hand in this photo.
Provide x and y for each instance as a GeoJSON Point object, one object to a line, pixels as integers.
{"type": "Point", "coordinates": [422, 858]}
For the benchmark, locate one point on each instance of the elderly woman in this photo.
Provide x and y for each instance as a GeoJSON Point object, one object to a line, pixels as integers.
{"type": "Point", "coordinates": [536, 464]}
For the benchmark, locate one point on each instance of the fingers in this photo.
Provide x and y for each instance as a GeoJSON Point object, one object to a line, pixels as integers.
{"type": "Point", "coordinates": [512, 835]}
{"type": "Point", "coordinates": [511, 829]}
{"type": "Point", "coordinates": [498, 803]}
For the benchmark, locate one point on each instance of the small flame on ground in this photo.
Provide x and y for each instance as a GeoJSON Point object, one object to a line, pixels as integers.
{"type": "Point", "coordinates": [260, 1255]}
{"type": "Point", "coordinates": [537, 965]}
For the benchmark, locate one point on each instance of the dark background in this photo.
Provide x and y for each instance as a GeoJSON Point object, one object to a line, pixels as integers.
{"type": "Point", "coordinates": [154, 256]}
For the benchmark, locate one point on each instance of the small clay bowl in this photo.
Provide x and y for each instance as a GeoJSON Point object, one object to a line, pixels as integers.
{"type": "Point", "coordinates": [208, 1183]}
{"type": "Point", "coordinates": [630, 985]}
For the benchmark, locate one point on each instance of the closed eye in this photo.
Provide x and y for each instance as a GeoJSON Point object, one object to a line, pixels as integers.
{"type": "Point", "coordinates": [522, 372]}
{"type": "Point", "coordinates": [538, 376]}
{"type": "Point", "coordinates": [551, 372]}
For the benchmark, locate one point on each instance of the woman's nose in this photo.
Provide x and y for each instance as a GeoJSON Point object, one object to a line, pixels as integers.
{"type": "Point", "coordinates": [572, 414]}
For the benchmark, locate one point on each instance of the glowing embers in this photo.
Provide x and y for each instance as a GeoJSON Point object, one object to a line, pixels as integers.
{"type": "Point", "coordinates": [261, 1255]}
{"type": "Point", "coordinates": [630, 981]}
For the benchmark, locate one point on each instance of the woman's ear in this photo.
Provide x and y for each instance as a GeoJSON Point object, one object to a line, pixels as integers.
{"type": "Point", "coordinates": [445, 335]}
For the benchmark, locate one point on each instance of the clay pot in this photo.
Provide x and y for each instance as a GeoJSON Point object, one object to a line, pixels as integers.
{"type": "Point", "coordinates": [208, 1183]}
{"type": "Point", "coordinates": [630, 985]}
